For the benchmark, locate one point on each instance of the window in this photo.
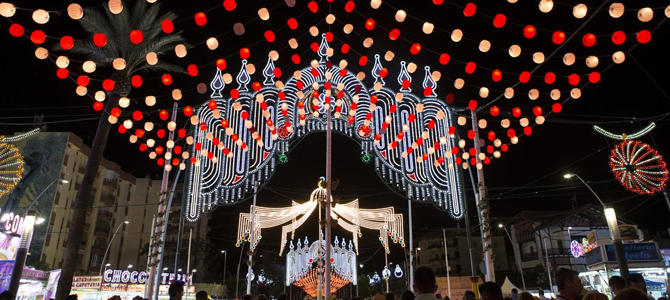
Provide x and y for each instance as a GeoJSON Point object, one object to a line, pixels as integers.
{"type": "Point", "coordinates": [95, 259]}
{"type": "Point", "coordinates": [57, 198]}
{"type": "Point", "coordinates": [67, 157]}
{"type": "Point", "coordinates": [47, 240]}
{"type": "Point", "coordinates": [52, 219]}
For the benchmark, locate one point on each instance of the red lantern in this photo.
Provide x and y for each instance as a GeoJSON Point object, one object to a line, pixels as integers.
{"type": "Point", "coordinates": [192, 70]}
{"type": "Point", "coordinates": [108, 85]}
{"type": "Point", "coordinates": [98, 106]}
{"type": "Point", "coordinates": [38, 37]}
{"type": "Point", "coordinates": [137, 115]}
{"type": "Point", "coordinates": [67, 42]}
{"type": "Point", "coordinates": [438, 2]}
{"type": "Point", "coordinates": [349, 7]}
{"type": "Point", "coordinates": [167, 26]}
{"type": "Point", "coordinates": [188, 111]}
{"type": "Point", "coordinates": [139, 133]}
{"type": "Point", "coordinates": [511, 133]}
{"type": "Point", "coordinates": [121, 129]}
{"type": "Point", "coordinates": [100, 39]}
{"type": "Point", "coordinates": [136, 81]}
{"type": "Point", "coordinates": [234, 93]}
{"type": "Point", "coordinates": [470, 10]}
{"type": "Point", "coordinates": [345, 48]}
{"type": "Point", "coordinates": [363, 60]}
{"type": "Point", "coordinates": [159, 149]}
{"type": "Point", "coordinates": [383, 72]}
{"type": "Point", "coordinates": [499, 21]}
{"type": "Point", "coordinates": [450, 98]}
{"type": "Point", "coordinates": [201, 19]}
{"type": "Point", "coordinates": [314, 46]}
{"type": "Point", "coordinates": [573, 79]}
{"type": "Point", "coordinates": [229, 5]}
{"type": "Point", "coordinates": [394, 34]}
{"type": "Point", "coordinates": [550, 78]}
{"type": "Point", "coordinates": [143, 147]}
{"type": "Point", "coordinates": [496, 75]}
{"type": "Point", "coordinates": [370, 24]}
{"type": "Point", "coordinates": [244, 115]}
{"type": "Point", "coordinates": [589, 40]}
{"type": "Point", "coordinates": [537, 111]}
{"type": "Point", "coordinates": [444, 58]}
{"type": "Point", "coordinates": [415, 49]}
{"type": "Point", "coordinates": [62, 73]}
{"type": "Point", "coordinates": [163, 114]}
{"type": "Point", "coordinates": [524, 77]}
{"type": "Point", "coordinates": [295, 58]}
{"type": "Point", "coordinates": [115, 112]}
{"type": "Point", "coordinates": [529, 31]}
{"type": "Point", "coordinates": [256, 86]}
{"type": "Point", "coordinates": [292, 23]}
{"type": "Point", "coordinates": [277, 72]}
{"type": "Point", "coordinates": [221, 64]}
{"type": "Point", "coordinates": [428, 91]}
{"type": "Point", "coordinates": [558, 37]}
{"type": "Point", "coordinates": [83, 80]}
{"type": "Point", "coordinates": [618, 37]}
{"type": "Point", "coordinates": [312, 6]}
{"type": "Point", "coordinates": [470, 67]}
{"type": "Point", "coordinates": [244, 53]}
{"type": "Point", "coordinates": [556, 108]}
{"type": "Point", "coordinates": [594, 77]}
{"type": "Point", "coordinates": [516, 112]}
{"type": "Point", "coordinates": [166, 79]}
{"type": "Point", "coordinates": [181, 133]}
{"type": "Point", "coordinates": [472, 105]}
{"type": "Point", "coordinates": [471, 134]}
{"type": "Point", "coordinates": [16, 30]}
{"type": "Point", "coordinates": [491, 136]}
{"type": "Point", "coordinates": [644, 36]}
{"type": "Point", "coordinates": [269, 36]}
{"type": "Point", "coordinates": [528, 130]}
{"type": "Point", "coordinates": [136, 36]}
{"type": "Point", "coordinates": [495, 111]}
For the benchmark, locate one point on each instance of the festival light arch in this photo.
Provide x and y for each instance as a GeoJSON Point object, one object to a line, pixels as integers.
{"type": "Point", "coordinates": [409, 138]}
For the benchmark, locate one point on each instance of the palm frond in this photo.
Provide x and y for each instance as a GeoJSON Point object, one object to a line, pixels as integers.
{"type": "Point", "coordinates": [161, 67]}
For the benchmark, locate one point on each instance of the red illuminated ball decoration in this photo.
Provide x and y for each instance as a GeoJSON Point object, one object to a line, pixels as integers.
{"type": "Point", "coordinates": [295, 58]}
{"type": "Point", "coordinates": [188, 111]}
{"type": "Point", "coordinates": [556, 108]}
{"type": "Point", "coordinates": [164, 115]}
{"type": "Point", "coordinates": [594, 77]}
{"type": "Point", "coordinates": [137, 115]}
{"type": "Point", "coordinates": [472, 105]}
{"type": "Point", "coordinates": [312, 6]}
{"type": "Point", "coordinates": [160, 134]}
{"type": "Point", "coordinates": [528, 130]}
{"type": "Point", "coordinates": [211, 104]}
{"type": "Point", "coordinates": [108, 85]}
{"type": "Point", "coordinates": [269, 36]}
{"type": "Point", "coordinates": [511, 133]}
{"type": "Point", "coordinates": [221, 64]}
{"type": "Point", "coordinates": [16, 30]}
{"type": "Point", "coordinates": [438, 2]}
{"type": "Point", "coordinates": [516, 112]}
{"type": "Point", "coordinates": [166, 79]}
{"type": "Point", "coordinates": [98, 106]}
{"type": "Point", "coordinates": [100, 39]}
{"type": "Point", "coordinates": [644, 36]}
{"type": "Point", "coordinates": [496, 75]}
{"type": "Point", "coordinates": [550, 78]}
{"type": "Point", "coordinates": [136, 81]}
{"type": "Point", "coordinates": [415, 49]}
{"type": "Point", "coordinates": [574, 79]}
{"type": "Point", "coordinates": [529, 31]}
{"type": "Point", "coordinates": [115, 112]}
{"type": "Point", "coordinates": [245, 53]}
{"type": "Point", "coordinates": [470, 67]}
{"type": "Point", "coordinates": [589, 40]}
{"type": "Point", "coordinates": [349, 7]}
{"type": "Point", "coordinates": [292, 23]}
{"type": "Point", "coordinates": [62, 73]}
{"type": "Point", "coordinates": [83, 80]}
{"type": "Point", "coordinates": [229, 5]}
{"type": "Point", "coordinates": [638, 167]}
{"type": "Point", "coordinates": [167, 26]}
{"type": "Point", "coordinates": [450, 98]}
{"type": "Point", "coordinates": [394, 34]}
{"type": "Point", "coordinates": [38, 37]}
{"type": "Point", "coordinates": [537, 111]}
{"type": "Point", "coordinates": [618, 37]}
{"type": "Point", "coordinates": [192, 70]}
{"type": "Point", "coordinates": [200, 19]}
{"type": "Point", "coordinates": [499, 21]}
{"type": "Point", "coordinates": [136, 36]}
{"type": "Point", "coordinates": [345, 48]}
{"type": "Point", "coordinates": [524, 77]}
{"type": "Point", "coordinates": [444, 58]}
{"type": "Point", "coordinates": [329, 36]}
{"type": "Point", "coordinates": [370, 24]}
{"type": "Point", "coordinates": [121, 129]}
{"type": "Point", "coordinates": [470, 10]}
{"type": "Point", "coordinates": [558, 37]}
{"type": "Point", "coordinates": [67, 42]}
{"type": "Point", "coordinates": [314, 46]}
{"type": "Point", "coordinates": [383, 72]}
{"type": "Point", "coordinates": [495, 111]}
{"type": "Point", "coordinates": [363, 61]}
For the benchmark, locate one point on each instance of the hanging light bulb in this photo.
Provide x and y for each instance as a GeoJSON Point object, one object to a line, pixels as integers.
{"type": "Point", "coordinates": [579, 11]}
{"type": "Point", "coordinates": [546, 5]}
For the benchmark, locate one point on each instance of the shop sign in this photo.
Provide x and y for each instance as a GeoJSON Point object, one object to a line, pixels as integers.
{"type": "Point", "coordinates": [114, 287]}
{"type": "Point", "coordinates": [11, 223]}
{"type": "Point", "coordinates": [125, 276]}
{"type": "Point", "coordinates": [635, 252]}
{"type": "Point", "coordinates": [167, 278]}
{"type": "Point", "coordinates": [593, 257]}
{"type": "Point", "coordinates": [86, 282]}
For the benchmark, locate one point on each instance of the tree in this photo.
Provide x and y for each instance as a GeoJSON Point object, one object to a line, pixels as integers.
{"type": "Point", "coordinates": [541, 277]}
{"type": "Point", "coordinates": [141, 16]}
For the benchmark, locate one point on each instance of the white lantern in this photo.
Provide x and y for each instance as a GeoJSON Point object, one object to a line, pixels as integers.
{"type": "Point", "coordinates": [360, 76]}
{"type": "Point", "coordinates": [314, 31]}
{"type": "Point", "coordinates": [428, 28]}
{"type": "Point", "coordinates": [238, 28]}
{"type": "Point", "coordinates": [367, 43]}
{"type": "Point", "coordinates": [180, 50]}
{"type": "Point", "coordinates": [575, 93]}
{"type": "Point", "coordinates": [523, 122]}
{"type": "Point", "coordinates": [389, 55]}
{"type": "Point", "coordinates": [212, 43]}
{"type": "Point", "coordinates": [41, 53]}
{"type": "Point", "coordinates": [274, 55]}
{"type": "Point", "coordinates": [514, 140]}
{"type": "Point", "coordinates": [151, 143]}
{"type": "Point", "coordinates": [539, 120]}
{"type": "Point", "coordinates": [128, 124]}
{"type": "Point", "coordinates": [62, 62]}
{"type": "Point", "coordinates": [227, 78]}
{"type": "Point", "coordinates": [148, 126]}
{"type": "Point", "coordinates": [150, 100]}
{"type": "Point", "coordinates": [172, 125]}
{"type": "Point", "coordinates": [112, 119]}
{"type": "Point", "coordinates": [400, 16]}
{"type": "Point", "coordinates": [375, 3]}
{"type": "Point", "coordinates": [411, 67]}
{"type": "Point", "coordinates": [592, 61]}
{"type": "Point", "coordinates": [462, 120]}
{"type": "Point", "coordinates": [483, 92]}
{"type": "Point", "coordinates": [41, 16]}
{"type": "Point", "coordinates": [74, 11]}
{"type": "Point", "coordinates": [264, 14]}
{"type": "Point", "coordinates": [456, 35]}
{"type": "Point", "coordinates": [514, 51]}
{"type": "Point", "coordinates": [579, 11]}
{"type": "Point", "coordinates": [195, 120]}
{"type": "Point", "coordinates": [482, 124]}
{"type": "Point", "coordinates": [618, 57]}
{"type": "Point", "coordinates": [509, 93]}
{"type": "Point", "coordinates": [115, 6]}
{"type": "Point", "coordinates": [81, 90]}
{"type": "Point", "coordinates": [89, 66]}
{"type": "Point", "coordinates": [119, 63]}
{"type": "Point", "coordinates": [436, 75]}
{"type": "Point", "coordinates": [100, 96]}
{"type": "Point", "coordinates": [176, 94]}
{"type": "Point", "coordinates": [617, 10]}
{"type": "Point", "coordinates": [569, 59]}
{"type": "Point", "coordinates": [555, 94]}
{"type": "Point", "coordinates": [645, 14]}
{"type": "Point", "coordinates": [7, 10]}
{"type": "Point", "coordinates": [133, 139]}
{"type": "Point", "coordinates": [546, 5]}
{"type": "Point", "coordinates": [533, 94]}
{"type": "Point", "coordinates": [667, 12]}
{"type": "Point", "coordinates": [124, 102]}
{"type": "Point", "coordinates": [293, 43]}
{"type": "Point", "coordinates": [251, 69]}
{"type": "Point", "coordinates": [496, 154]}
{"type": "Point", "coordinates": [504, 123]}
{"type": "Point", "coordinates": [497, 143]}
{"type": "Point", "coordinates": [152, 58]}
{"type": "Point", "coordinates": [538, 57]}
{"type": "Point", "coordinates": [484, 46]}
{"type": "Point", "coordinates": [459, 83]}
{"type": "Point", "coordinates": [330, 19]}
{"type": "Point", "coordinates": [348, 28]}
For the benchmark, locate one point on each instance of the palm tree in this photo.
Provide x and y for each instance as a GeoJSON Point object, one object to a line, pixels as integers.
{"type": "Point", "coordinates": [141, 16]}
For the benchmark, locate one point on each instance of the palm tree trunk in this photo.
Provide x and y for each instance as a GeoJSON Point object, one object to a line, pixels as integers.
{"type": "Point", "coordinates": [76, 231]}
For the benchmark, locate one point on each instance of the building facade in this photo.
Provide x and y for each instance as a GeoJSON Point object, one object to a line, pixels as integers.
{"type": "Point", "coordinates": [117, 197]}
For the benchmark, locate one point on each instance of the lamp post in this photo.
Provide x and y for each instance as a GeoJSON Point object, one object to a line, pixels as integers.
{"type": "Point", "coordinates": [21, 254]}
{"type": "Point", "coordinates": [613, 225]}
{"type": "Point", "coordinates": [109, 245]}
{"type": "Point", "coordinates": [223, 284]}
{"type": "Point", "coordinates": [61, 180]}
{"type": "Point", "coordinates": [516, 254]}
{"type": "Point", "coordinates": [416, 255]}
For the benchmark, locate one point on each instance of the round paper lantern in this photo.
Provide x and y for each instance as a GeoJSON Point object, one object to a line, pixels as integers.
{"type": "Point", "coordinates": [456, 35]}
{"type": "Point", "coordinates": [330, 18]}
{"type": "Point", "coordinates": [483, 92]}
{"type": "Point", "coordinates": [400, 16]}
{"type": "Point", "coordinates": [244, 53]}
{"type": "Point", "coordinates": [524, 121]}
{"type": "Point", "coordinates": [212, 43]}
{"type": "Point", "coordinates": [41, 16]}
{"type": "Point", "coordinates": [539, 120]}
{"type": "Point", "coordinates": [62, 62]}
{"type": "Point", "coordinates": [180, 50]}
{"type": "Point", "coordinates": [348, 28]}
{"type": "Point", "coordinates": [150, 100]}
{"type": "Point", "coordinates": [667, 12]}
{"type": "Point", "coordinates": [292, 23]}
{"type": "Point", "coordinates": [167, 26]}
{"type": "Point", "coordinates": [264, 14]}
{"type": "Point", "coordinates": [569, 59]}
{"type": "Point", "coordinates": [444, 58]}
{"type": "Point", "coordinates": [524, 77]}
{"type": "Point", "coordinates": [251, 69]}
{"type": "Point", "coordinates": [349, 7]}
{"type": "Point", "coordinates": [367, 43]}
{"type": "Point", "coordinates": [470, 67]}
{"type": "Point", "coordinates": [529, 31]}
{"type": "Point", "coordinates": [115, 6]}
{"type": "Point", "coordinates": [227, 78]}
{"type": "Point", "coordinates": [41, 53]}
{"type": "Point", "coordinates": [100, 39]}
{"type": "Point", "coordinates": [579, 11]}
{"type": "Point", "coordinates": [546, 5]}
{"type": "Point", "coordinates": [499, 21]}
{"type": "Point", "coordinates": [616, 10]}
{"type": "Point", "coordinates": [427, 28]}
{"type": "Point", "coordinates": [66, 42]}
{"type": "Point", "coordinates": [312, 6]}
{"type": "Point", "coordinates": [74, 11]}
{"type": "Point", "coordinates": [16, 30]}
{"type": "Point", "coordinates": [618, 37]}
{"type": "Point", "coordinates": [124, 102]}
{"type": "Point", "coordinates": [575, 93]}
{"type": "Point", "coordinates": [538, 57]}
{"type": "Point", "coordinates": [176, 94]}
{"type": "Point", "coordinates": [100, 96]}
{"type": "Point", "coordinates": [496, 75]}
{"type": "Point", "coordinates": [514, 51]}
{"type": "Point", "coordinates": [484, 46]}
{"type": "Point", "coordinates": [592, 61]}
{"type": "Point", "coordinates": [293, 43]}
{"type": "Point", "coordinates": [7, 10]}
{"type": "Point", "coordinates": [38, 37]}
{"type": "Point", "coordinates": [589, 40]}
{"type": "Point", "coordinates": [166, 79]}
{"type": "Point", "coordinates": [389, 55]}
{"type": "Point", "coordinates": [136, 36]}
{"type": "Point", "coordinates": [550, 78]}
{"type": "Point", "coordinates": [375, 4]}
{"type": "Point", "coordinates": [645, 14]}
{"type": "Point", "coordinates": [370, 24]}
{"type": "Point", "coordinates": [415, 49]}
{"type": "Point", "coordinates": [136, 81]}
{"type": "Point", "coordinates": [200, 19]}
{"type": "Point", "coordinates": [470, 9]}
{"type": "Point", "coordinates": [574, 79]}
{"type": "Point", "coordinates": [128, 124]}
{"type": "Point", "coordinates": [229, 5]}
{"type": "Point", "coordinates": [62, 73]}
{"type": "Point", "coordinates": [644, 36]}
{"type": "Point", "coordinates": [459, 83]}
{"type": "Point", "coordinates": [555, 94]}
{"type": "Point", "coordinates": [290, 3]}
{"type": "Point", "coordinates": [504, 123]}
{"type": "Point", "coordinates": [152, 58]}
{"type": "Point", "coordinates": [83, 80]}
{"type": "Point", "coordinates": [119, 63]}
{"type": "Point", "coordinates": [618, 57]}
{"type": "Point", "coordinates": [533, 94]}
{"type": "Point", "coordinates": [509, 93]}
{"type": "Point", "coordinates": [89, 66]}
{"type": "Point", "coordinates": [558, 37]}
{"type": "Point", "coordinates": [98, 106]}
{"type": "Point", "coordinates": [594, 77]}
{"type": "Point", "coordinates": [81, 90]}
{"type": "Point", "coordinates": [436, 75]}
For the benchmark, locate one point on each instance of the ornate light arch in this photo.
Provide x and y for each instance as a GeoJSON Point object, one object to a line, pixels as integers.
{"type": "Point", "coordinates": [239, 144]}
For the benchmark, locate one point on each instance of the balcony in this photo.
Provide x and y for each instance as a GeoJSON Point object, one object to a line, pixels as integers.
{"type": "Point", "coordinates": [108, 199]}
{"type": "Point", "coordinates": [529, 256]}
{"type": "Point", "coordinates": [101, 231]}
{"type": "Point", "coordinates": [559, 252]}
{"type": "Point", "coordinates": [111, 183]}
{"type": "Point", "coordinates": [105, 215]}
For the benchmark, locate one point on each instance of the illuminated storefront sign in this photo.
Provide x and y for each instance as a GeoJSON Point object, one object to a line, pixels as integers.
{"type": "Point", "coordinates": [11, 223]}
{"type": "Point", "coordinates": [86, 282]}
{"type": "Point", "coordinates": [140, 277]}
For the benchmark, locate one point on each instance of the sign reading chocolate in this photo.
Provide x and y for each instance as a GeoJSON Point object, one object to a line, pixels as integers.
{"type": "Point", "coordinates": [11, 223]}
{"type": "Point", "coordinates": [124, 276]}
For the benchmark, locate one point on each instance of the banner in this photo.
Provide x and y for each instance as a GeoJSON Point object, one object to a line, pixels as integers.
{"type": "Point", "coordinates": [86, 282]}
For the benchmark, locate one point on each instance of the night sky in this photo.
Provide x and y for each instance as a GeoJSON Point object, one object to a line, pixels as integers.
{"type": "Point", "coordinates": [528, 177]}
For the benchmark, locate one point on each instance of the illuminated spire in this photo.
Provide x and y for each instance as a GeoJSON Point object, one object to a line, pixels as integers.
{"type": "Point", "coordinates": [243, 78]}
{"type": "Point", "coordinates": [429, 82]}
{"type": "Point", "coordinates": [404, 76]}
{"type": "Point", "coordinates": [217, 85]}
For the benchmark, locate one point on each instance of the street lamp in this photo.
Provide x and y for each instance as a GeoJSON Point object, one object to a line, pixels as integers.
{"type": "Point", "coordinates": [613, 225]}
{"type": "Point", "coordinates": [516, 254]}
{"type": "Point", "coordinates": [129, 267]}
{"type": "Point", "coordinates": [109, 245]}
{"type": "Point", "coordinates": [225, 260]}
{"type": "Point", "coordinates": [61, 180]}
{"type": "Point", "coordinates": [22, 252]}
{"type": "Point", "coordinates": [416, 254]}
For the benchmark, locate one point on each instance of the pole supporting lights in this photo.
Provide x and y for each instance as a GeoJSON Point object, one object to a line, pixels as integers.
{"type": "Point", "coordinates": [516, 254]}
{"type": "Point", "coordinates": [110, 246]}
{"type": "Point", "coordinates": [613, 225]}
